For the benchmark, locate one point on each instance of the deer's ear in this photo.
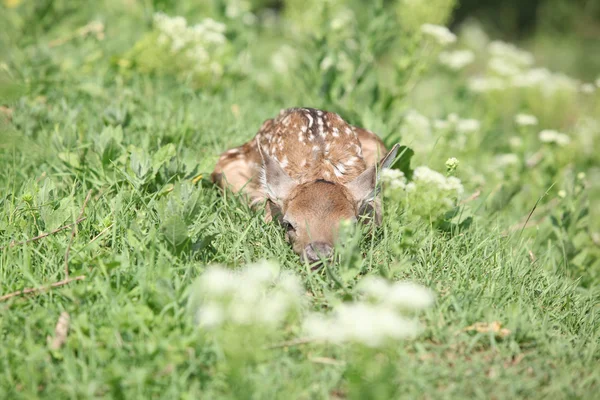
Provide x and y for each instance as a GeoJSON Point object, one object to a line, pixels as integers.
{"type": "Point", "coordinates": [364, 187]}
{"type": "Point", "coordinates": [276, 183]}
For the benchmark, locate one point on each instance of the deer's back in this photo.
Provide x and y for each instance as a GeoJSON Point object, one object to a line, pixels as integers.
{"type": "Point", "coordinates": [312, 144]}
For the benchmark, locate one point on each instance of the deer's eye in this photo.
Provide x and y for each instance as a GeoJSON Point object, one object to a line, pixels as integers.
{"type": "Point", "coordinates": [289, 227]}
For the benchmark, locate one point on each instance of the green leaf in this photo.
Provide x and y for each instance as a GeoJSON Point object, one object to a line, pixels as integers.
{"type": "Point", "coordinates": [402, 163]}
{"type": "Point", "coordinates": [163, 156]}
{"type": "Point", "coordinates": [140, 162]}
{"type": "Point", "coordinates": [175, 232]}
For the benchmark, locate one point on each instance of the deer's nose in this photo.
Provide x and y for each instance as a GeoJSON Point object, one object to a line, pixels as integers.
{"type": "Point", "coordinates": [317, 251]}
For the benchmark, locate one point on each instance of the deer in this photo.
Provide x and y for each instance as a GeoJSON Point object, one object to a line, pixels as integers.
{"type": "Point", "coordinates": [312, 170]}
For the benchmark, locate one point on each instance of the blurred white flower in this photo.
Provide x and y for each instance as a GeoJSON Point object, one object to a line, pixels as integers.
{"type": "Point", "coordinates": [210, 315]}
{"type": "Point", "coordinates": [581, 176]}
{"type": "Point", "coordinates": [457, 59]}
{"type": "Point", "coordinates": [588, 88]}
{"type": "Point", "coordinates": [502, 67]}
{"type": "Point", "coordinates": [415, 125]}
{"type": "Point", "coordinates": [505, 160]}
{"type": "Point", "coordinates": [526, 120]}
{"type": "Point", "coordinates": [552, 136]}
{"type": "Point", "coordinates": [515, 142]}
{"type": "Point", "coordinates": [256, 294]}
{"type": "Point", "coordinates": [468, 125]}
{"type": "Point", "coordinates": [441, 124]}
{"type": "Point", "coordinates": [486, 84]}
{"type": "Point", "coordinates": [562, 194]}
{"type": "Point", "coordinates": [394, 178]}
{"type": "Point", "coordinates": [532, 77]}
{"type": "Point", "coordinates": [439, 33]}
{"type": "Point", "coordinates": [404, 295]}
{"type": "Point", "coordinates": [510, 53]}
{"type": "Point", "coordinates": [367, 324]}
{"type": "Point", "coordinates": [201, 44]}
{"type": "Point", "coordinates": [429, 193]}
{"type": "Point", "coordinates": [473, 35]}
{"type": "Point", "coordinates": [425, 175]}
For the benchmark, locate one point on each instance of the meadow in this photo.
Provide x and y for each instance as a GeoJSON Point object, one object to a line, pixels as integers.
{"type": "Point", "coordinates": [124, 273]}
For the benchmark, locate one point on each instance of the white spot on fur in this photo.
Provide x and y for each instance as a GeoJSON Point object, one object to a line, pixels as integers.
{"type": "Point", "coordinates": [284, 162]}
{"type": "Point", "coordinates": [335, 132]}
{"type": "Point", "coordinates": [310, 119]}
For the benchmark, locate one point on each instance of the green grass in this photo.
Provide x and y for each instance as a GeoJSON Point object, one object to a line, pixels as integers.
{"type": "Point", "coordinates": [136, 141]}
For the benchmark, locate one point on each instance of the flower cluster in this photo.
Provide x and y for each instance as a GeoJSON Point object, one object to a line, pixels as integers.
{"type": "Point", "coordinates": [259, 294]}
{"type": "Point", "coordinates": [552, 136]}
{"type": "Point", "coordinates": [375, 321]}
{"type": "Point", "coordinates": [429, 194]}
{"type": "Point", "coordinates": [439, 33]}
{"type": "Point", "coordinates": [201, 46]}
{"type": "Point", "coordinates": [457, 59]}
{"type": "Point", "coordinates": [451, 165]}
{"type": "Point", "coordinates": [461, 125]}
{"type": "Point", "coordinates": [526, 120]}
{"type": "Point", "coordinates": [511, 67]}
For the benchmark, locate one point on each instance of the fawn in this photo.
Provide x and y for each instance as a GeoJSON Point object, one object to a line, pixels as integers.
{"type": "Point", "coordinates": [314, 170]}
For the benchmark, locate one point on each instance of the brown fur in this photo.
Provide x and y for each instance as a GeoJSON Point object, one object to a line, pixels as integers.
{"type": "Point", "coordinates": [319, 156]}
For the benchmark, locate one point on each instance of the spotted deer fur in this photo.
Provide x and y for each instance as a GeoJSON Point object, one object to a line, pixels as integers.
{"type": "Point", "coordinates": [313, 169]}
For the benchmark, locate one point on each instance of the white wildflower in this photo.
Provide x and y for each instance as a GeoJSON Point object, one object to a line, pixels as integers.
{"type": "Point", "coordinates": [515, 142]}
{"type": "Point", "coordinates": [256, 294]}
{"type": "Point", "coordinates": [562, 194]}
{"type": "Point", "coordinates": [393, 178]}
{"type": "Point", "coordinates": [532, 77]}
{"type": "Point", "coordinates": [510, 53]}
{"type": "Point", "coordinates": [588, 88]}
{"type": "Point", "coordinates": [441, 34]}
{"type": "Point", "coordinates": [505, 160]}
{"type": "Point", "coordinates": [404, 295]}
{"type": "Point", "coordinates": [452, 164]}
{"type": "Point", "coordinates": [453, 118]}
{"type": "Point", "coordinates": [441, 124]}
{"type": "Point", "coordinates": [468, 125]}
{"type": "Point", "coordinates": [408, 295]}
{"type": "Point", "coordinates": [362, 323]}
{"type": "Point", "coordinates": [552, 136]}
{"type": "Point", "coordinates": [502, 67]}
{"type": "Point", "coordinates": [415, 125]}
{"type": "Point", "coordinates": [210, 315]}
{"type": "Point", "coordinates": [486, 84]}
{"type": "Point", "coordinates": [425, 175]}
{"type": "Point", "coordinates": [456, 60]}
{"type": "Point", "coordinates": [217, 280]}
{"type": "Point", "coordinates": [474, 36]}
{"type": "Point", "coordinates": [526, 120]}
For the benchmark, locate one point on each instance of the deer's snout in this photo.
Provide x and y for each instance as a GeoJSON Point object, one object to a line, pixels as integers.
{"type": "Point", "coordinates": [317, 251]}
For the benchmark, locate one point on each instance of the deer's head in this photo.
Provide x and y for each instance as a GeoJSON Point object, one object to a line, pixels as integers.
{"type": "Point", "coordinates": [311, 212]}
